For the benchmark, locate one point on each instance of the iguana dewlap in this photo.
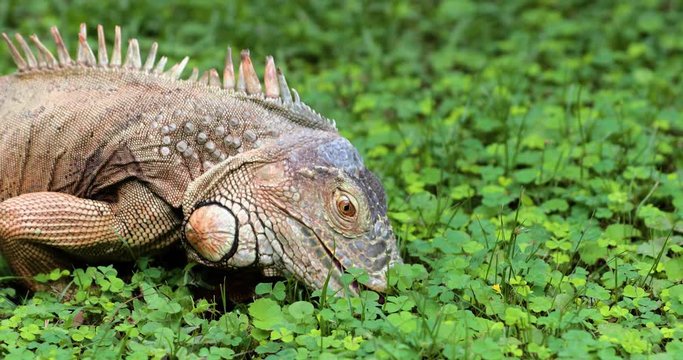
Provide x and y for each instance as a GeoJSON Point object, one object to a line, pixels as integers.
{"type": "Point", "coordinates": [103, 159]}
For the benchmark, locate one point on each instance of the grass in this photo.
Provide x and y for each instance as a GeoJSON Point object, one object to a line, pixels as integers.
{"type": "Point", "coordinates": [531, 152]}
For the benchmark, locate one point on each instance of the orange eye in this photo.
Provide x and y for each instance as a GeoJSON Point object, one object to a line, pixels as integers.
{"type": "Point", "coordinates": [345, 206]}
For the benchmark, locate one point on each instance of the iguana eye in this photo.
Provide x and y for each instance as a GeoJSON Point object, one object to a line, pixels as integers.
{"type": "Point", "coordinates": [346, 207]}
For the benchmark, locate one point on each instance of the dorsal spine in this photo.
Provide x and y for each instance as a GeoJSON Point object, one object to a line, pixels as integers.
{"type": "Point", "coordinates": [273, 93]}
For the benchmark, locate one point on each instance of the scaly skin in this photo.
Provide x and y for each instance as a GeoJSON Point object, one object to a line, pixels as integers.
{"type": "Point", "coordinates": [103, 161]}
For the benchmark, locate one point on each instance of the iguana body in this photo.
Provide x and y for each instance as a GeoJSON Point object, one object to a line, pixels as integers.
{"type": "Point", "coordinates": [102, 160]}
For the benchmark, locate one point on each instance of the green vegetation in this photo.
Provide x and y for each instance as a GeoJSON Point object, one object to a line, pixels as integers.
{"type": "Point", "coordinates": [531, 151]}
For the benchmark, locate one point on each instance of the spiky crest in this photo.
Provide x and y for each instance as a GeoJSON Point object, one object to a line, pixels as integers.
{"type": "Point", "coordinates": [277, 95]}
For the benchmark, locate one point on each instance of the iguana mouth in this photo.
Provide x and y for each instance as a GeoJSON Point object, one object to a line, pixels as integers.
{"type": "Point", "coordinates": [337, 264]}
{"type": "Point", "coordinates": [342, 269]}
{"type": "Point", "coordinates": [354, 286]}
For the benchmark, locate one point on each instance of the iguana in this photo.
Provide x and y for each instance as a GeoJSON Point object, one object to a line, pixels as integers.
{"type": "Point", "coordinates": [103, 159]}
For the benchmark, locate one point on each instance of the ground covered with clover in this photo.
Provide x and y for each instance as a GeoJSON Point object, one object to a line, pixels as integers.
{"type": "Point", "coordinates": [531, 153]}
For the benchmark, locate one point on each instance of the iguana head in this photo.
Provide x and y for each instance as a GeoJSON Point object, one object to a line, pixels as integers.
{"type": "Point", "coordinates": [306, 206]}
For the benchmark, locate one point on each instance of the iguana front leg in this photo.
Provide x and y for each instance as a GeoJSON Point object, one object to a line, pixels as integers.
{"type": "Point", "coordinates": [42, 231]}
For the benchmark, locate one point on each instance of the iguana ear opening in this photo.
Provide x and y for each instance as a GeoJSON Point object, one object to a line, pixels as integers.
{"type": "Point", "coordinates": [211, 230]}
